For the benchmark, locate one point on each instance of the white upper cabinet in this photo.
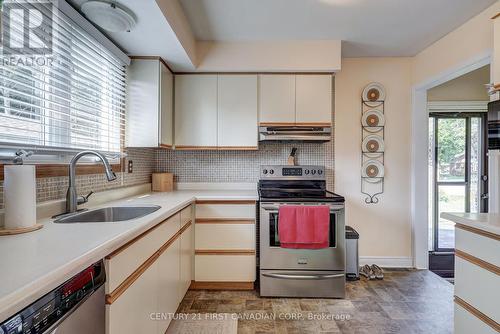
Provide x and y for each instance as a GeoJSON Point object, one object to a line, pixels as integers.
{"type": "Point", "coordinates": [167, 107]}
{"type": "Point", "coordinates": [313, 98]}
{"type": "Point", "coordinates": [277, 98]}
{"type": "Point", "coordinates": [149, 104]}
{"type": "Point", "coordinates": [237, 111]}
{"type": "Point", "coordinates": [295, 99]}
{"type": "Point", "coordinates": [195, 111]}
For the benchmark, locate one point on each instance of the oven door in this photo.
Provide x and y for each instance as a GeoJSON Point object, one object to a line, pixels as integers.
{"type": "Point", "coordinates": [272, 256]}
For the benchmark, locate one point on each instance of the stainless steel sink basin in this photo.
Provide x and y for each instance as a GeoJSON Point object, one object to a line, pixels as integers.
{"type": "Point", "coordinates": [109, 214]}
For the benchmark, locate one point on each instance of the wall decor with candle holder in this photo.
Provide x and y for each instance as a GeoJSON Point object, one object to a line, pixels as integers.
{"type": "Point", "coordinates": [373, 142]}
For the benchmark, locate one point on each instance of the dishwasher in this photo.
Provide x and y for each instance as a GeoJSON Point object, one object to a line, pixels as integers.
{"type": "Point", "coordinates": [76, 307]}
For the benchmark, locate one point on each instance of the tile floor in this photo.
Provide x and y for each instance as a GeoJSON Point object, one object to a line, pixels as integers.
{"type": "Point", "coordinates": [406, 301]}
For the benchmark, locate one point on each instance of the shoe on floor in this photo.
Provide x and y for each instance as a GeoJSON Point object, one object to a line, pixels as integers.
{"type": "Point", "coordinates": [377, 271]}
{"type": "Point", "coordinates": [367, 271]}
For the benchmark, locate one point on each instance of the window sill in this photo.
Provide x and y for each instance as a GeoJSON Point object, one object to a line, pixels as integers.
{"type": "Point", "coordinates": [57, 170]}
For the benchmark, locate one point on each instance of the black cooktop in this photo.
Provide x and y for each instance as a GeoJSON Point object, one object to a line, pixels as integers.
{"type": "Point", "coordinates": [296, 191]}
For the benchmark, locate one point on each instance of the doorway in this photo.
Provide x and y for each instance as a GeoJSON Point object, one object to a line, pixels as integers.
{"type": "Point", "coordinates": [457, 179]}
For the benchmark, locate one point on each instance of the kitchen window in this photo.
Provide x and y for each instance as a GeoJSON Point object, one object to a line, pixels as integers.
{"type": "Point", "coordinates": [74, 102]}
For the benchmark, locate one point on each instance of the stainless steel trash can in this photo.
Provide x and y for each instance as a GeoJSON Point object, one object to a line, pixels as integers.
{"type": "Point", "coordinates": [352, 257]}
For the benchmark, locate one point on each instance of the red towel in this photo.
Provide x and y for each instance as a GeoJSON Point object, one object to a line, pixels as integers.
{"type": "Point", "coordinates": [304, 226]}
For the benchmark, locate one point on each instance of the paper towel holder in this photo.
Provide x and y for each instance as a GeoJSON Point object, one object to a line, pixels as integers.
{"type": "Point", "coordinates": [13, 231]}
{"type": "Point", "coordinates": [18, 160]}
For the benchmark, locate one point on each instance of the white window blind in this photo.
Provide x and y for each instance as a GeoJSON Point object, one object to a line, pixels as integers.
{"type": "Point", "coordinates": [76, 103]}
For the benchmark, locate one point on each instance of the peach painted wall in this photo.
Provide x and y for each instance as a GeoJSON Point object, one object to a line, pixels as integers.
{"type": "Point", "coordinates": [385, 228]}
{"type": "Point", "coordinates": [275, 56]}
{"type": "Point", "coordinates": [469, 41]}
{"type": "Point", "coordinates": [468, 87]}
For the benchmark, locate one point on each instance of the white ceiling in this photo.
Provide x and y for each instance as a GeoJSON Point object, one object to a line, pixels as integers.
{"type": "Point", "coordinates": [152, 35]}
{"type": "Point", "coordinates": [367, 27]}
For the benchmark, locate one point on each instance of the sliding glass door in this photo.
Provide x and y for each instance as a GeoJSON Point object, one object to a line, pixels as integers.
{"type": "Point", "coordinates": [457, 168]}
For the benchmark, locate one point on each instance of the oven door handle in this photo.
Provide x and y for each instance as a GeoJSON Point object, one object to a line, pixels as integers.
{"type": "Point", "coordinates": [275, 208]}
{"type": "Point", "coordinates": [303, 277]}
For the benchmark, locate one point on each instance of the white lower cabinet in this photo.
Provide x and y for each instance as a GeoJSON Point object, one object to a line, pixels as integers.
{"type": "Point", "coordinates": [477, 281]}
{"type": "Point", "coordinates": [225, 244]}
{"type": "Point", "coordinates": [151, 274]}
{"type": "Point", "coordinates": [168, 284]}
{"type": "Point", "coordinates": [225, 268]}
{"type": "Point", "coordinates": [225, 236]}
{"type": "Point", "coordinates": [186, 263]}
{"type": "Point", "coordinates": [146, 299]}
{"type": "Point", "coordinates": [467, 323]}
{"type": "Point", "coordinates": [131, 311]}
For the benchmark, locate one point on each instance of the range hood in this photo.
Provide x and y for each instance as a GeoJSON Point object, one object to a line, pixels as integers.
{"type": "Point", "coordinates": [295, 133]}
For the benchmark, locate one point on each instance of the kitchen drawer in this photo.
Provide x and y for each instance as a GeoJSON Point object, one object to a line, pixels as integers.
{"type": "Point", "coordinates": [186, 215]}
{"type": "Point", "coordinates": [123, 263]}
{"type": "Point", "coordinates": [467, 323]}
{"type": "Point", "coordinates": [225, 268]}
{"type": "Point", "coordinates": [243, 211]}
{"type": "Point", "coordinates": [478, 287]}
{"type": "Point", "coordinates": [225, 236]}
{"type": "Point", "coordinates": [477, 245]}
{"type": "Point", "coordinates": [294, 283]}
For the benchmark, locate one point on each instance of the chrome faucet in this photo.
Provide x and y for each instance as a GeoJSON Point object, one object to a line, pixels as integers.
{"type": "Point", "coordinates": [72, 199]}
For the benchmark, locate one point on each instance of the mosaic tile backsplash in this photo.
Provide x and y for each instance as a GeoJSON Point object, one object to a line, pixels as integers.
{"type": "Point", "coordinates": [52, 188]}
{"type": "Point", "coordinates": [242, 166]}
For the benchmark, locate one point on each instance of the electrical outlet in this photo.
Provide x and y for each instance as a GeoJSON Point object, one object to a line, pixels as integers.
{"type": "Point", "coordinates": [130, 166]}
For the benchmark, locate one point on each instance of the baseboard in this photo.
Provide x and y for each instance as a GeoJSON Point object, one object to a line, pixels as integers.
{"type": "Point", "coordinates": [221, 285]}
{"type": "Point", "coordinates": [387, 261]}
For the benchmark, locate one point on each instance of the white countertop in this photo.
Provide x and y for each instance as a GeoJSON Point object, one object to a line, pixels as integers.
{"type": "Point", "coordinates": [33, 264]}
{"type": "Point", "coordinates": [488, 222]}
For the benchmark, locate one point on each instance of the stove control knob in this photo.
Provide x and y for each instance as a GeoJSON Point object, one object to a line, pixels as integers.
{"type": "Point", "coordinates": [271, 171]}
{"type": "Point", "coordinates": [320, 172]}
{"type": "Point", "coordinates": [306, 171]}
{"type": "Point", "coordinates": [313, 171]}
{"type": "Point", "coordinates": [264, 171]}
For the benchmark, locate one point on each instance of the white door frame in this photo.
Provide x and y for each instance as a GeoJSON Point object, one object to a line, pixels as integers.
{"type": "Point", "coordinates": [419, 163]}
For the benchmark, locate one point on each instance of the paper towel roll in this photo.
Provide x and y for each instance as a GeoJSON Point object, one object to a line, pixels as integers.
{"type": "Point", "coordinates": [19, 191]}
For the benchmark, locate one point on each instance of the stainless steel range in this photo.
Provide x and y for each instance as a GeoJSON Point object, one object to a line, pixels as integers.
{"type": "Point", "coordinates": [288, 272]}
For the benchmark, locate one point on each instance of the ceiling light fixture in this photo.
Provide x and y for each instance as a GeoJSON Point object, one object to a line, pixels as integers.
{"type": "Point", "coordinates": [339, 2]}
{"type": "Point", "coordinates": [108, 16]}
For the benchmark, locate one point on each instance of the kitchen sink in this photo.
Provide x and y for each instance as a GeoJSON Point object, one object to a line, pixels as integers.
{"type": "Point", "coordinates": [109, 214]}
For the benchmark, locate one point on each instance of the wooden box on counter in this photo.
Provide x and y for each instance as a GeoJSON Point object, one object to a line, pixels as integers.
{"type": "Point", "coordinates": [163, 182]}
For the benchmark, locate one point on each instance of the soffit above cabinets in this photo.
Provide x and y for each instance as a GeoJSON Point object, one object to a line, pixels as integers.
{"type": "Point", "coordinates": [155, 34]}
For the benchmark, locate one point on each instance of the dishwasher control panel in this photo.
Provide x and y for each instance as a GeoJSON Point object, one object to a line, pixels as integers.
{"type": "Point", "coordinates": [56, 305]}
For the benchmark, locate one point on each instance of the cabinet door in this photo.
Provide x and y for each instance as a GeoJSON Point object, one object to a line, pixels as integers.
{"type": "Point", "coordinates": [130, 313]}
{"type": "Point", "coordinates": [166, 107]}
{"type": "Point", "coordinates": [168, 284]}
{"type": "Point", "coordinates": [277, 98]}
{"type": "Point", "coordinates": [237, 111]}
{"type": "Point", "coordinates": [187, 258]}
{"type": "Point", "coordinates": [195, 111]}
{"type": "Point", "coordinates": [142, 113]}
{"type": "Point", "coordinates": [314, 98]}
